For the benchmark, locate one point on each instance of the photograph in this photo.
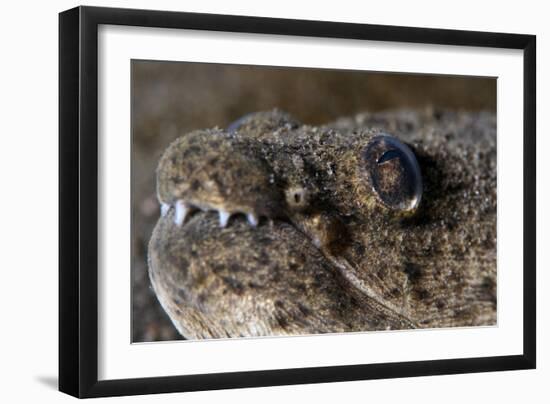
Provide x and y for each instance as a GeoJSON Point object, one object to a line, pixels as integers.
{"type": "Point", "coordinates": [252, 201]}
{"type": "Point", "coordinates": [272, 201]}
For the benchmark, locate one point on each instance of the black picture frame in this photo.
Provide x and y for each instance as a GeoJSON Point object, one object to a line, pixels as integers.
{"type": "Point", "coordinates": [78, 201]}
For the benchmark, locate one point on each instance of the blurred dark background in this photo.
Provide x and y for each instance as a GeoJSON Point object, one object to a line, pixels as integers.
{"type": "Point", "coordinates": [172, 98]}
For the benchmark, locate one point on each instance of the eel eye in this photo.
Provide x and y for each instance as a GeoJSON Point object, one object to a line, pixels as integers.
{"type": "Point", "coordinates": [235, 125]}
{"type": "Point", "coordinates": [393, 172]}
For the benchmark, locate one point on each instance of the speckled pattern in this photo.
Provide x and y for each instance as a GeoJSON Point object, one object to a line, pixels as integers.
{"type": "Point", "coordinates": [326, 255]}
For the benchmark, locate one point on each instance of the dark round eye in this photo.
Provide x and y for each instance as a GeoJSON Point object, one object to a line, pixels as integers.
{"type": "Point", "coordinates": [264, 121]}
{"type": "Point", "coordinates": [393, 172]}
{"type": "Point", "coordinates": [235, 125]}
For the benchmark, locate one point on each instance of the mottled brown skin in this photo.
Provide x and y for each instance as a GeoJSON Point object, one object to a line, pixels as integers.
{"type": "Point", "coordinates": [327, 255]}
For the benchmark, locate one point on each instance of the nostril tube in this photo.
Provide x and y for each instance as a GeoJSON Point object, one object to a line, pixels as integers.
{"type": "Point", "coordinates": [297, 198]}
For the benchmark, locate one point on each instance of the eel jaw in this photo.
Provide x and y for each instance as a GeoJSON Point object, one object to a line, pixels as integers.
{"type": "Point", "coordinates": [183, 209]}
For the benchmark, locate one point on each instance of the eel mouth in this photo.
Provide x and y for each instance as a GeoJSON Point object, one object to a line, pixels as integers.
{"type": "Point", "coordinates": [320, 236]}
{"type": "Point", "coordinates": [216, 282]}
{"type": "Point", "coordinates": [184, 209]}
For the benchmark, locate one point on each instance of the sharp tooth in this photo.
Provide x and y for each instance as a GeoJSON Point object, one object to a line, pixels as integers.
{"type": "Point", "coordinates": [181, 212]}
{"type": "Point", "coordinates": [224, 218]}
{"type": "Point", "coordinates": [252, 219]}
{"type": "Point", "coordinates": [164, 208]}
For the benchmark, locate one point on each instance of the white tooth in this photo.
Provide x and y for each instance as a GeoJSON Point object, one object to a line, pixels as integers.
{"type": "Point", "coordinates": [224, 218]}
{"type": "Point", "coordinates": [181, 212]}
{"type": "Point", "coordinates": [252, 219]}
{"type": "Point", "coordinates": [164, 208]}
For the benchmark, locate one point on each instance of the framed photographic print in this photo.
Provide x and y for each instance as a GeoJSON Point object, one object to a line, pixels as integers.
{"type": "Point", "coordinates": [251, 201]}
